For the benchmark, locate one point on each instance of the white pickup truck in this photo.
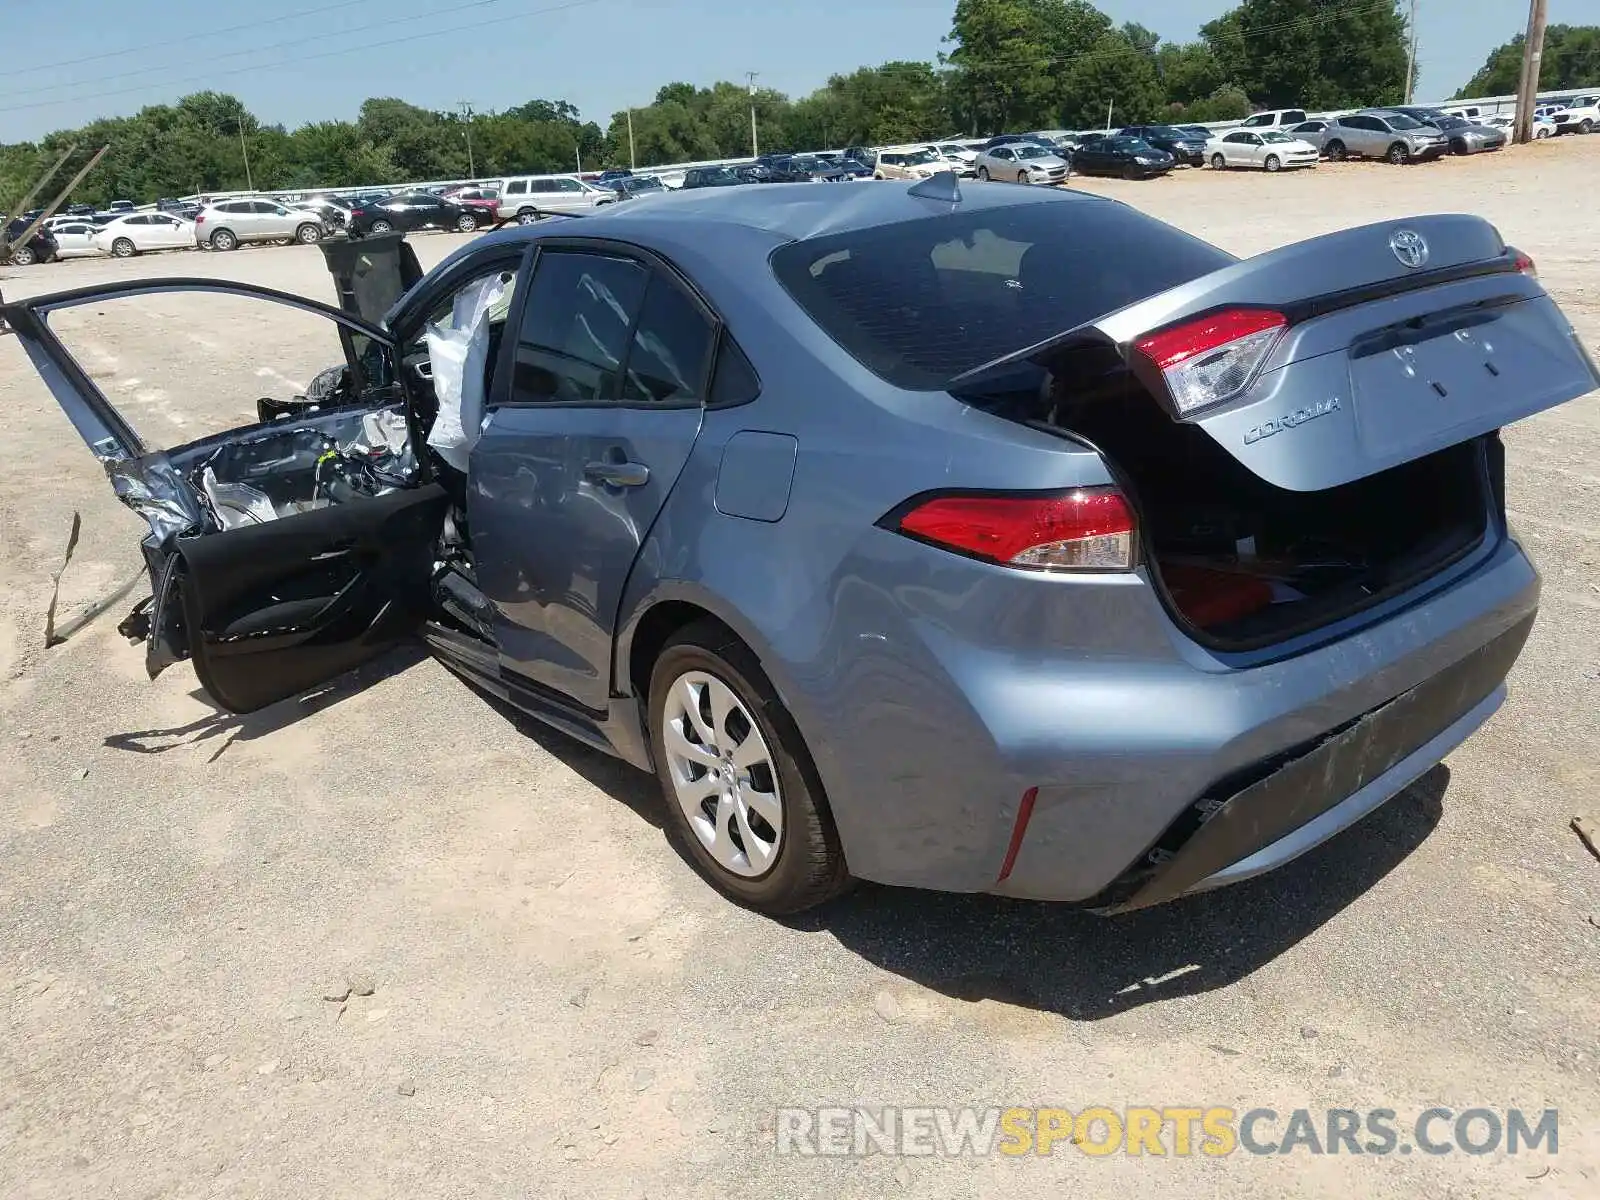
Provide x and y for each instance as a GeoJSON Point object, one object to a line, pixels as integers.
{"type": "Point", "coordinates": [1582, 115]}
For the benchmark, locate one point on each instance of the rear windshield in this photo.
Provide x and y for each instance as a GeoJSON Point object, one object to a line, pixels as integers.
{"type": "Point", "coordinates": [923, 301]}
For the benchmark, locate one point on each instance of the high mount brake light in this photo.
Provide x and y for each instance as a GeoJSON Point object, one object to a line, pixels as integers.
{"type": "Point", "coordinates": [1089, 529]}
{"type": "Point", "coordinates": [1213, 359]}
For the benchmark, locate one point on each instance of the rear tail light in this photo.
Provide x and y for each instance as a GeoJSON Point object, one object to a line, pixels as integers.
{"type": "Point", "coordinates": [1211, 360]}
{"type": "Point", "coordinates": [1526, 265]}
{"type": "Point", "coordinates": [199, 218]}
{"type": "Point", "coordinates": [1088, 529]}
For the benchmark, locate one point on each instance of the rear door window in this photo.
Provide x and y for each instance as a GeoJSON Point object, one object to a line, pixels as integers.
{"type": "Point", "coordinates": [576, 327]}
{"type": "Point", "coordinates": [920, 302]}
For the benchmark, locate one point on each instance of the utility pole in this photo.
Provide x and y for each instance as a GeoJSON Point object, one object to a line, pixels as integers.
{"type": "Point", "coordinates": [466, 112]}
{"type": "Point", "coordinates": [632, 161]}
{"type": "Point", "coordinates": [1411, 55]}
{"type": "Point", "coordinates": [1532, 60]}
{"type": "Point", "coordinates": [249, 183]}
{"type": "Point", "coordinates": [755, 148]}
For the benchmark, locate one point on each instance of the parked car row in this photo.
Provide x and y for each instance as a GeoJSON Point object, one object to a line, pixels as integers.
{"type": "Point", "coordinates": [1274, 140]}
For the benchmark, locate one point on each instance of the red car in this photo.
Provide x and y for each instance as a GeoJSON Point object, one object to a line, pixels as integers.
{"type": "Point", "coordinates": [485, 201]}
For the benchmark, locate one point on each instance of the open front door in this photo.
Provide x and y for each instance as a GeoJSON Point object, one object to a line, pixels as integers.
{"type": "Point", "coordinates": [281, 552]}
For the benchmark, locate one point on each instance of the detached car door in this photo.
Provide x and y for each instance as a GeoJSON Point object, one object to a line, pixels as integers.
{"type": "Point", "coordinates": [605, 375]}
{"type": "Point", "coordinates": [282, 553]}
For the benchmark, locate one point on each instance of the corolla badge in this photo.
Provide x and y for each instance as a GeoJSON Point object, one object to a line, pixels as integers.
{"type": "Point", "coordinates": [1409, 247]}
{"type": "Point", "coordinates": [1300, 416]}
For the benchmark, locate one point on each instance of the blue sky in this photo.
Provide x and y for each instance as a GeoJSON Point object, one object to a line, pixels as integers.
{"type": "Point", "coordinates": [602, 55]}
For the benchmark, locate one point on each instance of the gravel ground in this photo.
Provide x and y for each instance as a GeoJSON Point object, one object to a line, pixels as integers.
{"type": "Point", "coordinates": [546, 1002]}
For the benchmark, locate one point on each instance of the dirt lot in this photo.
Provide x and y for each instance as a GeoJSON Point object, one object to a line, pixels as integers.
{"type": "Point", "coordinates": [559, 1008]}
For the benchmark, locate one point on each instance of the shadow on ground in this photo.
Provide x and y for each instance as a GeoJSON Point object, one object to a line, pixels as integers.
{"type": "Point", "coordinates": [231, 728]}
{"type": "Point", "coordinates": [1063, 960]}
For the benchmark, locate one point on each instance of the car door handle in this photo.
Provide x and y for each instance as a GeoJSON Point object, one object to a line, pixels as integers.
{"type": "Point", "coordinates": [618, 474]}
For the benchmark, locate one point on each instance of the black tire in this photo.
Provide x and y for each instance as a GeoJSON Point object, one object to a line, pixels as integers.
{"type": "Point", "coordinates": [224, 239]}
{"type": "Point", "coordinates": [1398, 154]}
{"type": "Point", "coordinates": [381, 226]}
{"type": "Point", "coordinates": [810, 867]}
{"type": "Point", "coordinates": [1336, 151]}
{"type": "Point", "coordinates": [466, 223]}
{"type": "Point", "coordinates": [1586, 126]}
{"type": "Point", "coordinates": [1218, 162]}
{"type": "Point", "coordinates": [983, 174]}
{"type": "Point", "coordinates": [308, 234]}
{"type": "Point", "coordinates": [1459, 146]}
{"type": "Point", "coordinates": [23, 256]}
{"type": "Point", "coordinates": [123, 248]}
{"type": "Point", "coordinates": [526, 216]}
{"type": "Point", "coordinates": [1022, 177]}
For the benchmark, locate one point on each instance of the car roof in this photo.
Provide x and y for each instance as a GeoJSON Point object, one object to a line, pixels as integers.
{"type": "Point", "coordinates": [725, 231]}
{"type": "Point", "coordinates": [790, 214]}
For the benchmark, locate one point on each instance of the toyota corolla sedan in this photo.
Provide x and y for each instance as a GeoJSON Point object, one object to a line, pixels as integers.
{"type": "Point", "coordinates": [991, 540]}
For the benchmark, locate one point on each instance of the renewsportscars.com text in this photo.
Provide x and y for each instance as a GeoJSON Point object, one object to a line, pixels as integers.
{"type": "Point", "coordinates": [1178, 1131]}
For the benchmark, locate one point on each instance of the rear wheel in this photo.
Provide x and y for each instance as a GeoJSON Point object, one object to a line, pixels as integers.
{"type": "Point", "coordinates": [1336, 151]}
{"type": "Point", "coordinates": [123, 248]}
{"type": "Point", "coordinates": [1273, 163]}
{"type": "Point", "coordinates": [526, 216]}
{"type": "Point", "coordinates": [382, 226]}
{"type": "Point", "coordinates": [742, 796]}
{"type": "Point", "coordinates": [1540, 134]}
{"type": "Point", "coordinates": [23, 256]}
{"type": "Point", "coordinates": [466, 223]}
{"type": "Point", "coordinates": [1218, 163]}
{"type": "Point", "coordinates": [308, 234]}
{"type": "Point", "coordinates": [223, 239]}
{"type": "Point", "coordinates": [1398, 154]}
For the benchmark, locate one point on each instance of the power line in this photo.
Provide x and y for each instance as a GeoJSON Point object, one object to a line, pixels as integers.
{"type": "Point", "coordinates": [192, 37]}
{"type": "Point", "coordinates": [384, 24]}
{"type": "Point", "coordinates": [364, 48]}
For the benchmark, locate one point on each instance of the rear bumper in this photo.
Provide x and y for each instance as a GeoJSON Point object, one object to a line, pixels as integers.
{"type": "Point", "coordinates": [1310, 798]}
{"type": "Point", "coordinates": [1120, 746]}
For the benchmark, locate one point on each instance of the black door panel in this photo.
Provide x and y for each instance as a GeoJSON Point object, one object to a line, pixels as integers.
{"type": "Point", "coordinates": [274, 609]}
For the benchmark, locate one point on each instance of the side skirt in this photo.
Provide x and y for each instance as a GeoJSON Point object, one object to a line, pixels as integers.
{"type": "Point", "coordinates": [617, 732]}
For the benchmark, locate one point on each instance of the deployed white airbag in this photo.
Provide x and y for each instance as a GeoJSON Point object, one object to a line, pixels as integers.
{"type": "Point", "coordinates": [458, 354]}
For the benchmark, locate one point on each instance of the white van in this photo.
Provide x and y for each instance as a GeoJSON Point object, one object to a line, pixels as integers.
{"type": "Point", "coordinates": [525, 197]}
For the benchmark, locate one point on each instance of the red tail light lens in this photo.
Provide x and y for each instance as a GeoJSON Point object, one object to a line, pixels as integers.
{"type": "Point", "coordinates": [1090, 529]}
{"type": "Point", "coordinates": [1526, 265]}
{"type": "Point", "coordinates": [199, 218]}
{"type": "Point", "coordinates": [1213, 359]}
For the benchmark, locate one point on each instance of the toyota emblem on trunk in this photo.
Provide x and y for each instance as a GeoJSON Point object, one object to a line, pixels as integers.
{"type": "Point", "coordinates": [1409, 247]}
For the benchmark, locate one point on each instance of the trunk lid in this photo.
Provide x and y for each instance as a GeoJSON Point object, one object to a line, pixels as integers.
{"type": "Point", "coordinates": [1403, 338]}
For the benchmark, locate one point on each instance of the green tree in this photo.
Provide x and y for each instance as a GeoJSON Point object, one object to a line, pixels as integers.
{"type": "Point", "coordinates": [1312, 53]}
{"type": "Point", "coordinates": [1571, 60]}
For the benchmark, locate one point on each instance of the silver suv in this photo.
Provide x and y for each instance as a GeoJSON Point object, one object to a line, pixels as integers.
{"type": "Point", "coordinates": [1381, 133]}
{"type": "Point", "coordinates": [228, 223]}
